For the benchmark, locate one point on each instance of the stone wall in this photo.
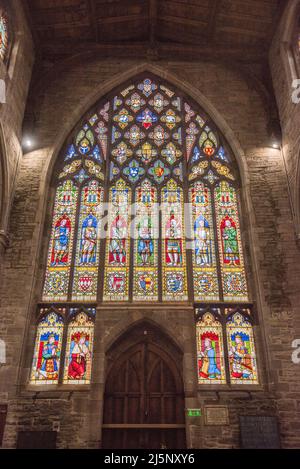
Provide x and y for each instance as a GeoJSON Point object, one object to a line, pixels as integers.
{"type": "Point", "coordinates": [17, 75]}
{"type": "Point", "coordinates": [285, 69]}
{"type": "Point", "coordinates": [270, 245]}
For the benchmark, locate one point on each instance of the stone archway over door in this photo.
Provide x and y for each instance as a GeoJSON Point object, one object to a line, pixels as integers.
{"type": "Point", "coordinates": [144, 396]}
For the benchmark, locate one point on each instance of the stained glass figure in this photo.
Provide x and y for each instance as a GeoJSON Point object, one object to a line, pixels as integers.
{"type": "Point", "coordinates": [241, 350]}
{"type": "Point", "coordinates": [147, 87]}
{"type": "Point", "coordinates": [47, 350]}
{"type": "Point", "coordinates": [170, 119]}
{"type": "Point", "coordinates": [230, 245]}
{"type": "Point", "coordinates": [123, 118]}
{"type": "Point", "coordinates": [173, 243]}
{"type": "Point", "coordinates": [88, 244]}
{"type": "Point", "coordinates": [206, 287]}
{"type": "Point", "coordinates": [118, 244]}
{"type": "Point", "coordinates": [210, 351]}
{"type": "Point", "coordinates": [146, 244]}
{"type": "Point", "coordinates": [61, 243]}
{"type": "Point", "coordinates": [79, 351]}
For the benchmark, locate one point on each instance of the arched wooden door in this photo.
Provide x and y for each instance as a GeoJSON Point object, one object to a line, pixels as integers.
{"type": "Point", "coordinates": [144, 397]}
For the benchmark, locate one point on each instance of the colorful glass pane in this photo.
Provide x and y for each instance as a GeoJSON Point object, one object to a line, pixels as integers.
{"type": "Point", "coordinates": [88, 244]}
{"type": "Point", "coordinates": [4, 38]}
{"type": "Point", "coordinates": [210, 351]}
{"type": "Point", "coordinates": [116, 275]}
{"type": "Point", "coordinates": [206, 285]}
{"type": "Point", "coordinates": [47, 350]}
{"type": "Point", "coordinates": [173, 243]}
{"type": "Point", "coordinates": [230, 244]}
{"type": "Point", "coordinates": [241, 350]}
{"type": "Point", "coordinates": [146, 244]}
{"type": "Point", "coordinates": [61, 243]}
{"type": "Point", "coordinates": [79, 351]}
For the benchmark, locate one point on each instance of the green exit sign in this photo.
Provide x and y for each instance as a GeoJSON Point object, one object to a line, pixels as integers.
{"type": "Point", "coordinates": [194, 412]}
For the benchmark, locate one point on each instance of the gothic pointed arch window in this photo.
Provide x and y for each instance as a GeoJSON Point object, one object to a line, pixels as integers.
{"type": "Point", "coordinates": [146, 208]}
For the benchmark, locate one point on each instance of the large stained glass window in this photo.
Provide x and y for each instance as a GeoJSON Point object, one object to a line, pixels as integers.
{"type": "Point", "coordinates": [146, 208]}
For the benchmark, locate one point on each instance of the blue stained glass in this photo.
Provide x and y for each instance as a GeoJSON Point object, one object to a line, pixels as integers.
{"type": "Point", "coordinates": [222, 155]}
{"type": "Point", "coordinates": [134, 171]}
{"type": "Point", "coordinates": [71, 152]}
{"type": "Point", "coordinates": [81, 176]}
{"type": "Point", "coordinates": [196, 155]}
{"type": "Point", "coordinates": [97, 154]}
{"type": "Point", "coordinates": [147, 118]}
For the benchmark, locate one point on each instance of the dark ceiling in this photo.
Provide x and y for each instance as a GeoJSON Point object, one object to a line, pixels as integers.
{"type": "Point", "coordinates": [239, 29]}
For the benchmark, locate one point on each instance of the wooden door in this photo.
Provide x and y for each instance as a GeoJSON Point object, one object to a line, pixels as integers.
{"type": "Point", "coordinates": [144, 398]}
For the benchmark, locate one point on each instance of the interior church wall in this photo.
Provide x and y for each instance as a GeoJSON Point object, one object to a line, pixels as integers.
{"type": "Point", "coordinates": [285, 69]}
{"type": "Point", "coordinates": [16, 75]}
{"type": "Point", "coordinates": [238, 110]}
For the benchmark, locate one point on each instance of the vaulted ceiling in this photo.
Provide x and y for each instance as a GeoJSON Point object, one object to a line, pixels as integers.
{"type": "Point", "coordinates": [239, 29]}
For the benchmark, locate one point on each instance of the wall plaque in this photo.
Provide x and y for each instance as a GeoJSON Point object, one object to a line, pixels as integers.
{"type": "Point", "coordinates": [216, 415]}
{"type": "Point", "coordinates": [259, 432]}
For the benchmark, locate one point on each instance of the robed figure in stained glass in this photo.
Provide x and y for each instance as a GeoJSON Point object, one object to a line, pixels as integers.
{"type": "Point", "coordinates": [88, 241]}
{"type": "Point", "coordinates": [79, 355]}
{"type": "Point", "coordinates": [202, 242]}
{"type": "Point", "coordinates": [61, 242]}
{"type": "Point", "coordinates": [117, 247]}
{"type": "Point", "coordinates": [145, 242]}
{"type": "Point", "coordinates": [230, 242]}
{"type": "Point", "coordinates": [208, 367]}
{"type": "Point", "coordinates": [240, 358]}
{"type": "Point", "coordinates": [173, 242]}
{"type": "Point", "coordinates": [49, 355]}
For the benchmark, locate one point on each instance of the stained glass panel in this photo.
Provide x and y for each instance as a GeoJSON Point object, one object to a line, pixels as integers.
{"type": "Point", "coordinates": [116, 276]}
{"type": "Point", "coordinates": [4, 36]}
{"type": "Point", "coordinates": [61, 243]}
{"type": "Point", "coordinates": [230, 245]}
{"type": "Point", "coordinates": [47, 350]}
{"type": "Point", "coordinates": [79, 351]}
{"type": "Point", "coordinates": [206, 285]}
{"type": "Point", "coordinates": [88, 243]}
{"type": "Point", "coordinates": [173, 243]}
{"type": "Point", "coordinates": [146, 244]}
{"type": "Point", "coordinates": [241, 350]}
{"type": "Point", "coordinates": [210, 351]}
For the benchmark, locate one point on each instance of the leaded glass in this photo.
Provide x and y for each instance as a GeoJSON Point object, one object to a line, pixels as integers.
{"type": "Point", "coordinates": [210, 350]}
{"type": "Point", "coordinates": [47, 350]}
{"type": "Point", "coordinates": [79, 350]}
{"type": "Point", "coordinates": [116, 275]}
{"type": "Point", "coordinates": [206, 285]}
{"type": "Point", "coordinates": [4, 34]}
{"type": "Point", "coordinates": [230, 245]}
{"type": "Point", "coordinates": [173, 243]}
{"type": "Point", "coordinates": [61, 243]}
{"type": "Point", "coordinates": [88, 243]}
{"type": "Point", "coordinates": [146, 244]}
{"type": "Point", "coordinates": [241, 350]}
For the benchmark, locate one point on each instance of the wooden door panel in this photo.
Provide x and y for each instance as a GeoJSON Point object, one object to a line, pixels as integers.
{"type": "Point", "coordinates": [143, 387]}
